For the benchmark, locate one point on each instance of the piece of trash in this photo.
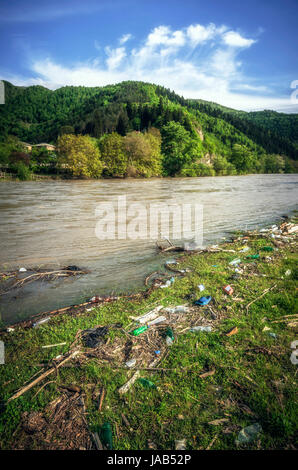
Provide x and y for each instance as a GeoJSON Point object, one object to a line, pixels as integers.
{"type": "Point", "coordinates": [201, 287]}
{"type": "Point", "coordinates": [257, 256]}
{"type": "Point", "coordinates": [10, 330]}
{"type": "Point", "coordinates": [244, 249]}
{"type": "Point", "coordinates": [107, 436]}
{"type": "Point", "coordinates": [157, 320]}
{"type": "Point", "coordinates": [235, 261]}
{"type": "Point", "coordinates": [201, 328]}
{"type": "Point", "coordinates": [131, 363]}
{"type": "Point", "coordinates": [151, 445]}
{"type": "Point", "coordinates": [169, 336]}
{"type": "Point", "coordinates": [41, 322]}
{"type": "Point", "coordinates": [146, 383]}
{"type": "Point", "coordinates": [217, 422]}
{"type": "Point", "coordinates": [249, 434]}
{"type": "Point", "coordinates": [157, 352]}
{"type": "Point", "coordinates": [172, 261]}
{"type": "Point", "coordinates": [168, 283]}
{"type": "Point", "coordinates": [94, 336]}
{"type": "Point", "coordinates": [95, 299]}
{"type": "Point", "coordinates": [266, 328]}
{"type": "Point", "coordinates": [53, 345]}
{"type": "Point", "coordinates": [288, 272]}
{"type": "Point", "coordinates": [149, 316]}
{"type": "Point", "coordinates": [267, 248]}
{"type": "Point", "coordinates": [22, 270]}
{"type": "Point", "coordinates": [139, 330]}
{"type": "Point", "coordinates": [273, 335]}
{"type": "Point", "coordinates": [177, 309]}
{"type": "Point", "coordinates": [129, 383]}
{"type": "Point", "coordinates": [232, 332]}
{"type": "Point", "coordinates": [89, 309]}
{"type": "Point", "coordinates": [238, 271]}
{"type": "Point", "coordinates": [203, 300]}
{"type": "Point", "coordinates": [180, 444]}
{"type": "Point", "coordinates": [228, 290]}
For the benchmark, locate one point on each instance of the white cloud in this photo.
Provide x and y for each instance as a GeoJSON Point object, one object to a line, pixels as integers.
{"type": "Point", "coordinates": [198, 33]}
{"type": "Point", "coordinates": [196, 62]}
{"type": "Point", "coordinates": [125, 38]}
{"type": "Point", "coordinates": [115, 57]}
{"type": "Point", "coordinates": [234, 39]}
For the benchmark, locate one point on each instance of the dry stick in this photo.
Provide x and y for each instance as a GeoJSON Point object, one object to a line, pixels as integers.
{"type": "Point", "coordinates": [264, 293]}
{"type": "Point", "coordinates": [43, 386]}
{"type": "Point", "coordinates": [102, 395]}
{"type": "Point", "coordinates": [212, 442]}
{"type": "Point", "coordinates": [41, 377]}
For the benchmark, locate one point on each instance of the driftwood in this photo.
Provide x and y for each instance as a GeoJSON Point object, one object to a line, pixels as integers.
{"type": "Point", "coordinates": [42, 376]}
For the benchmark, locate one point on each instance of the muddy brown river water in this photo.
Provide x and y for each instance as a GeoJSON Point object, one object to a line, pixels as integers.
{"type": "Point", "coordinates": [52, 224]}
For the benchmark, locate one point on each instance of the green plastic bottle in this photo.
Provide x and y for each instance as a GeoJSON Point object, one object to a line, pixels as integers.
{"type": "Point", "coordinates": [267, 248]}
{"type": "Point", "coordinates": [146, 383]}
{"type": "Point", "coordinates": [139, 330]}
{"type": "Point", "coordinates": [253, 256]}
{"type": "Point", "coordinates": [107, 436]}
{"type": "Point", "coordinates": [169, 336]}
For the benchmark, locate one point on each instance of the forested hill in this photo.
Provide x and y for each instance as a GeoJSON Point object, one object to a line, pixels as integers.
{"type": "Point", "coordinates": [35, 114]}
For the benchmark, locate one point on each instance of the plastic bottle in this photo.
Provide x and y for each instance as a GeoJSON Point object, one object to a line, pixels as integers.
{"type": "Point", "coordinates": [235, 261]}
{"type": "Point", "coordinates": [107, 436]}
{"type": "Point", "coordinates": [267, 248]}
{"type": "Point", "coordinates": [157, 320]}
{"type": "Point", "coordinates": [201, 328]}
{"type": "Point", "coordinates": [203, 300]}
{"type": "Point", "coordinates": [177, 309]}
{"type": "Point", "coordinates": [169, 336]}
{"type": "Point", "coordinates": [252, 256]}
{"type": "Point", "coordinates": [139, 330]}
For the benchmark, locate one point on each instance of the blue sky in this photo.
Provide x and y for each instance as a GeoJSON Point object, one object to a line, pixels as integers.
{"type": "Point", "coordinates": [240, 54]}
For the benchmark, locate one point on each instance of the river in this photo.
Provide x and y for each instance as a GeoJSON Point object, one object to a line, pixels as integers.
{"type": "Point", "coordinates": [52, 224]}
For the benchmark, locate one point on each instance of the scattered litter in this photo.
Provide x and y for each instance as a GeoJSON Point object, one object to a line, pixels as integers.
{"type": "Point", "coordinates": [180, 444]}
{"type": "Point", "coordinates": [267, 248]}
{"type": "Point", "coordinates": [232, 332]}
{"type": "Point", "coordinates": [201, 328]}
{"type": "Point", "coordinates": [288, 272]}
{"type": "Point", "coordinates": [53, 345]}
{"type": "Point", "coordinates": [249, 434]}
{"type": "Point", "coordinates": [228, 290]}
{"type": "Point", "coordinates": [235, 261]}
{"type": "Point", "coordinates": [203, 300]}
{"type": "Point", "coordinates": [238, 271]}
{"type": "Point", "coordinates": [131, 363]}
{"type": "Point", "coordinates": [157, 320]}
{"type": "Point", "coordinates": [172, 261]}
{"type": "Point", "coordinates": [41, 322]}
{"type": "Point", "coordinates": [201, 287]}
{"type": "Point", "coordinates": [266, 328]}
{"type": "Point", "coordinates": [146, 383]}
{"type": "Point", "coordinates": [22, 270]}
{"type": "Point", "coordinates": [93, 337]}
{"type": "Point", "coordinates": [257, 256]}
{"type": "Point", "coordinates": [10, 330]}
{"type": "Point", "coordinates": [157, 352]}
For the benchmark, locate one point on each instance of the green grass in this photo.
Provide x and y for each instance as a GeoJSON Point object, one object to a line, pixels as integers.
{"type": "Point", "coordinates": [249, 385]}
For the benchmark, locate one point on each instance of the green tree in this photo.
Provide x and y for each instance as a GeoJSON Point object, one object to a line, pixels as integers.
{"type": "Point", "coordinates": [274, 164]}
{"type": "Point", "coordinates": [178, 147]}
{"type": "Point", "coordinates": [243, 158]}
{"type": "Point", "coordinates": [80, 155]}
{"type": "Point", "coordinates": [113, 154]}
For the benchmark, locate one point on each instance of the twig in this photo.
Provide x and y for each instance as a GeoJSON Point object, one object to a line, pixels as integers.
{"type": "Point", "coordinates": [262, 295]}
{"type": "Point", "coordinates": [41, 377]}
{"type": "Point", "coordinates": [102, 395]}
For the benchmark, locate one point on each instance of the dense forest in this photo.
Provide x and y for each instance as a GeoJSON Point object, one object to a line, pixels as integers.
{"type": "Point", "coordinates": [139, 129]}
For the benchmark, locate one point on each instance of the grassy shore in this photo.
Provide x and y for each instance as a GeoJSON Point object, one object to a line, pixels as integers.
{"type": "Point", "coordinates": [209, 385]}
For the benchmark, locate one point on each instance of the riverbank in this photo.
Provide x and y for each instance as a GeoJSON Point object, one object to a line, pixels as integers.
{"type": "Point", "coordinates": [210, 384]}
